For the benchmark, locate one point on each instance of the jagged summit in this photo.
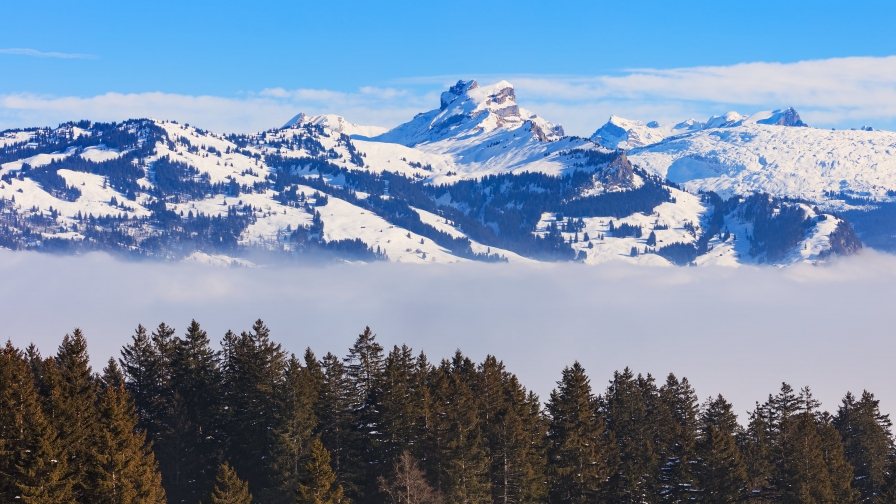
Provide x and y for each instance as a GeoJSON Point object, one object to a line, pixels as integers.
{"type": "Point", "coordinates": [624, 133]}
{"type": "Point", "coordinates": [783, 117]}
{"type": "Point", "coordinates": [621, 133]}
{"type": "Point", "coordinates": [334, 123]}
{"type": "Point", "coordinates": [468, 109]}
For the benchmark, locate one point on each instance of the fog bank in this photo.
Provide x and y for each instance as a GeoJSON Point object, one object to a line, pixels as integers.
{"type": "Point", "coordinates": [739, 332]}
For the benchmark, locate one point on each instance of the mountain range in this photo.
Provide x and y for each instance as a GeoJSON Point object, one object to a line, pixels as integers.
{"type": "Point", "coordinates": [478, 178]}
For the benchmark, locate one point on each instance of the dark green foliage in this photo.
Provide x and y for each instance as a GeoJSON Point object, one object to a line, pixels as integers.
{"type": "Point", "coordinates": [868, 444]}
{"type": "Point", "coordinates": [122, 466]}
{"type": "Point", "coordinates": [678, 436]}
{"type": "Point", "coordinates": [229, 488]}
{"type": "Point", "coordinates": [636, 476]}
{"type": "Point", "coordinates": [777, 226]}
{"type": "Point", "coordinates": [253, 375]}
{"type": "Point", "coordinates": [580, 456]}
{"type": "Point", "coordinates": [719, 470]}
{"type": "Point", "coordinates": [514, 433]}
{"type": "Point", "coordinates": [679, 253]}
{"type": "Point", "coordinates": [379, 426]}
{"type": "Point", "coordinates": [318, 485]}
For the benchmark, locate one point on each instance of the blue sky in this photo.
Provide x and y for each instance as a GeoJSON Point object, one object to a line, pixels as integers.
{"type": "Point", "coordinates": [377, 62]}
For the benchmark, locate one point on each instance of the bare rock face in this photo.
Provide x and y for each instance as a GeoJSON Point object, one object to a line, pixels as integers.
{"type": "Point", "coordinates": [844, 241]}
{"type": "Point", "coordinates": [787, 117]}
{"type": "Point", "coordinates": [456, 91]}
{"type": "Point", "coordinates": [791, 118]}
{"type": "Point", "coordinates": [619, 174]}
{"type": "Point", "coordinates": [544, 135]}
{"type": "Point", "coordinates": [502, 96]}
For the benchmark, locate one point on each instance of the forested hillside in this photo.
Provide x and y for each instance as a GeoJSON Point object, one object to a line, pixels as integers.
{"type": "Point", "coordinates": [176, 420]}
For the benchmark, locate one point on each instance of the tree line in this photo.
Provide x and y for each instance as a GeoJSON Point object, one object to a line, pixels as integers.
{"type": "Point", "coordinates": [176, 420]}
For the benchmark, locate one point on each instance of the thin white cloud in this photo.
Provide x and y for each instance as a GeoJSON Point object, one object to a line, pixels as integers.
{"type": "Point", "coordinates": [831, 92]}
{"type": "Point", "coordinates": [20, 51]}
{"type": "Point", "coordinates": [255, 112]}
{"type": "Point", "coordinates": [840, 92]}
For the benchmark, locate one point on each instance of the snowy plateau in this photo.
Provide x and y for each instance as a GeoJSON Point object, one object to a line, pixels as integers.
{"type": "Point", "coordinates": [477, 179]}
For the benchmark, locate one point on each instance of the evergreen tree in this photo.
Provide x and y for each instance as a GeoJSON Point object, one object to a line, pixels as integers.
{"type": "Point", "coordinates": [229, 488]}
{"type": "Point", "coordinates": [677, 437]}
{"type": "Point", "coordinates": [145, 365]}
{"type": "Point", "coordinates": [839, 469]}
{"type": "Point", "coordinates": [755, 443]}
{"type": "Point", "coordinates": [318, 485]}
{"type": "Point", "coordinates": [33, 468]}
{"type": "Point", "coordinates": [580, 456]}
{"type": "Point", "coordinates": [514, 432]}
{"type": "Point", "coordinates": [192, 438]}
{"type": "Point", "coordinates": [298, 401]}
{"type": "Point", "coordinates": [719, 470]}
{"type": "Point", "coordinates": [811, 470]}
{"type": "Point", "coordinates": [337, 418]}
{"type": "Point", "coordinates": [71, 394]}
{"type": "Point", "coordinates": [463, 465]}
{"type": "Point", "coordinates": [399, 425]}
{"type": "Point", "coordinates": [868, 444]}
{"type": "Point", "coordinates": [364, 367]}
{"type": "Point", "coordinates": [254, 370]}
{"type": "Point", "coordinates": [123, 468]}
{"type": "Point", "coordinates": [634, 477]}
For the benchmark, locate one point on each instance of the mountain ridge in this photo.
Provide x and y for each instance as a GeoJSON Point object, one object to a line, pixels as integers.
{"type": "Point", "coordinates": [478, 178]}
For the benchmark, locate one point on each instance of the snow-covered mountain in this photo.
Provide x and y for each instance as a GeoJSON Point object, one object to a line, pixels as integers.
{"type": "Point", "coordinates": [478, 178]}
{"type": "Point", "coordinates": [621, 133]}
{"type": "Point", "coordinates": [336, 124]}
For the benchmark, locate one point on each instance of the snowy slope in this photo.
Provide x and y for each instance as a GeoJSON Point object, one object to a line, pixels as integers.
{"type": "Point", "coordinates": [335, 123]}
{"type": "Point", "coordinates": [784, 161]}
{"type": "Point", "coordinates": [476, 131]}
{"type": "Point", "coordinates": [479, 131]}
{"type": "Point", "coordinates": [620, 133]}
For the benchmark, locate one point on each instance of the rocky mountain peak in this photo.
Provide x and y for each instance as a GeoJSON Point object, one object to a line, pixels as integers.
{"type": "Point", "coordinates": [784, 117]}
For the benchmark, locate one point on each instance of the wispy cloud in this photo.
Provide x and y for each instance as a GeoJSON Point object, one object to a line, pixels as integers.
{"type": "Point", "coordinates": [840, 92]}
{"type": "Point", "coordinates": [252, 112]}
{"type": "Point", "coordinates": [830, 92]}
{"type": "Point", "coordinates": [40, 54]}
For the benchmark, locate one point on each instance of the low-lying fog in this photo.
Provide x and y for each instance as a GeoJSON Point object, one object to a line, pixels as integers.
{"type": "Point", "coordinates": [739, 332]}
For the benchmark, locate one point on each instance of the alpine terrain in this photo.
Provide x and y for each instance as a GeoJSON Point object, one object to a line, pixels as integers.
{"type": "Point", "coordinates": [476, 179]}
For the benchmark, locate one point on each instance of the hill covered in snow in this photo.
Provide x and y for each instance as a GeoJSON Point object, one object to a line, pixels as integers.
{"type": "Point", "coordinates": [477, 179]}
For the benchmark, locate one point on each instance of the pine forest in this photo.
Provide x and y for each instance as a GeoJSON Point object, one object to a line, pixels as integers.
{"type": "Point", "coordinates": [178, 419]}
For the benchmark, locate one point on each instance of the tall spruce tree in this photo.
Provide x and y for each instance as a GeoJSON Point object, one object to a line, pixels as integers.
{"type": "Point", "coordinates": [296, 426]}
{"type": "Point", "coordinates": [755, 443]}
{"type": "Point", "coordinates": [637, 472]}
{"type": "Point", "coordinates": [318, 484]}
{"type": "Point", "coordinates": [868, 442]}
{"type": "Point", "coordinates": [839, 469]}
{"type": "Point", "coordinates": [810, 470]}
{"type": "Point", "coordinates": [580, 455]}
{"type": "Point", "coordinates": [254, 370]}
{"type": "Point", "coordinates": [337, 419]}
{"type": "Point", "coordinates": [463, 464]}
{"type": "Point", "coordinates": [364, 367]}
{"type": "Point", "coordinates": [123, 468]}
{"type": "Point", "coordinates": [398, 420]}
{"type": "Point", "coordinates": [71, 393]}
{"type": "Point", "coordinates": [719, 470]}
{"type": "Point", "coordinates": [33, 468]}
{"type": "Point", "coordinates": [192, 439]}
{"type": "Point", "coordinates": [678, 437]}
{"type": "Point", "coordinates": [514, 431]}
{"type": "Point", "coordinates": [229, 488]}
